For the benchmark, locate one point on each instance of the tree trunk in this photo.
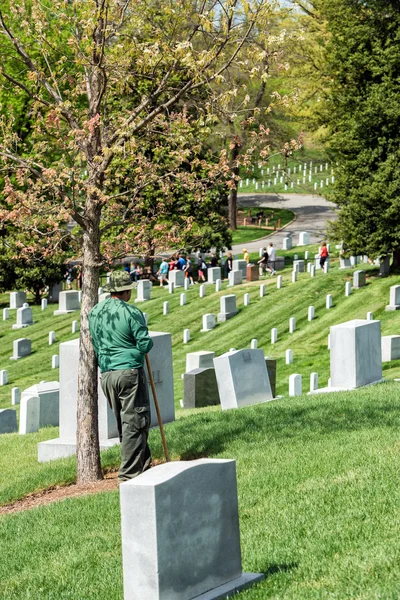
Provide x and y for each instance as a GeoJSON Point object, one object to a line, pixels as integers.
{"type": "Point", "coordinates": [88, 451]}
{"type": "Point", "coordinates": [232, 208]}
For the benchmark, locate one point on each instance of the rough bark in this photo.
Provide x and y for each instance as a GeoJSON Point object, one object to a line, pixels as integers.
{"type": "Point", "coordinates": [88, 451]}
{"type": "Point", "coordinates": [232, 198]}
{"type": "Point", "coordinates": [396, 260]}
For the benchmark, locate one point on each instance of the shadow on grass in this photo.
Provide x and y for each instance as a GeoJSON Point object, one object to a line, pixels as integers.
{"type": "Point", "coordinates": [211, 434]}
{"type": "Point", "coordinates": [283, 568]}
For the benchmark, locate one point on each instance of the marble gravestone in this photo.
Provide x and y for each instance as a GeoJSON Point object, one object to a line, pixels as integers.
{"type": "Point", "coordinates": [240, 265]}
{"type": "Point", "coordinates": [199, 360]}
{"type": "Point", "coordinates": [359, 279]}
{"type": "Point", "coordinates": [242, 378]}
{"type": "Point", "coordinates": [17, 299]}
{"type": "Point", "coordinates": [68, 302]}
{"type": "Point", "coordinates": [104, 296]}
{"type": "Point", "coordinates": [54, 293]}
{"type": "Point", "coordinates": [160, 357]}
{"type": "Point", "coordinates": [200, 388]}
{"type": "Point", "coordinates": [304, 238]}
{"type": "Point", "coordinates": [24, 317]}
{"type": "Point", "coordinates": [180, 532]}
{"type": "Point", "coordinates": [287, 243]}
{"type": "Point", "coordinates": [21, 347]}
{"type": "Point", "coordinates": [390, 347]}
{"type": "Point", "coordinates": [355, 355]}
{"type": "Point", "coordinates": [8, 420]}
{"type": "Point", "coordinates": [48, 393]}
{"type": "Point", "coordinates": [177, 278]}
{"type": "Point", "coordinates": [299, 266]}
{"type": "Point", "coordinates": [227, 308]}
{"type": "Point", "coordinates": [394, 298]}
{"type": "Point", "coordinates": [209, 322]}
{"type": "Point", "coordinates": [143, 290]}
{"type": "Point", "coordinates": [213, 274]}
{"type": "Point", "coordinates": [235, 278]}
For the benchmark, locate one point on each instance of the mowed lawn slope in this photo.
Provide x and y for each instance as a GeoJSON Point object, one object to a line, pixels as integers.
{"type": "Point", "coordinates": [319, 503]}
{"type": "Point", "coordinates": [20, 473]}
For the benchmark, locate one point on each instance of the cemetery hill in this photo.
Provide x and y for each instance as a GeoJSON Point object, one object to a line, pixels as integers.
{"type": "Point", "coordinates": [237, 163]}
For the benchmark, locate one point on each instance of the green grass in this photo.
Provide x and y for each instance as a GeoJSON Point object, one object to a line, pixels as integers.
{"type": "Point", "coordinates": [19, 471]}
{"type": "Point", "coordinates": [319, 504]}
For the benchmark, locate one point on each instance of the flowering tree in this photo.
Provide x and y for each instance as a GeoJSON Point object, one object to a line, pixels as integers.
{"type": "Point", "coordinates": [101, 78]}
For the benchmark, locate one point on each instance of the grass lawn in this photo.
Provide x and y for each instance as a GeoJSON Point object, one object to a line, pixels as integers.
{"type": "Point", "coordinates": [319, 501]}
{"type": "Point", "coordinates": [318, 476]}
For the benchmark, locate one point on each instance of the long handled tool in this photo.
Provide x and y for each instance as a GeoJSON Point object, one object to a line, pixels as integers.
{"type": "Point", "coordinates": [153, 389]}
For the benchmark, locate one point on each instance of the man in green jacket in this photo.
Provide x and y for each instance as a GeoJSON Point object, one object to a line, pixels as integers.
{"type": "Point", "coordinates": [121, 340]}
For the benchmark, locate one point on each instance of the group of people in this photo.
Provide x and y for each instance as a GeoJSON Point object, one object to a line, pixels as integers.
{"type": "Point", "coordinates": [267, 261]}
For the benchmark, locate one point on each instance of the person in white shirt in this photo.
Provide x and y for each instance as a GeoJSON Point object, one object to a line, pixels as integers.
{"type": "Point", "coordinates": [271, 259]}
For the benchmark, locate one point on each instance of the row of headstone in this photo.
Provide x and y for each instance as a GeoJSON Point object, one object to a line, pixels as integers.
{"type": "Point", "coordinates": [39, 408]}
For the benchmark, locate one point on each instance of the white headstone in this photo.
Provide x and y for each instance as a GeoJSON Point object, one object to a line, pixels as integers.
{"type": "Point", "coordinates": [21, 347]}
{"type": "Point", "coordinates": [218, 285]}
{"type": "Point", "coordinates": [390, 347]}
{"type": "Point", "coordinates": [3, 377]}
{"type": "Point", "coordinates": [311, 313]}
{"type": "Point", "coordinates": [294, 276]}
{"type": "Point", "coordinates": [186, 284]}
{"type": "Point", "coordinates": [182, 299]}
{"type": "Point", "coordinates": [359, 279]}
{"type": "Point", "coordinates": [306, 255]}
{"type": "Point", "coordinates": [8, 420]}
{"type": "Point", "coordinates": [289, 357]}
{"type": "Point", "coordinates": [199, 360]}
{"type": "Point", "coordinates": [313, 382]}
{"type": "Point", "coordinates": [287, 243]}
{"type": "Point", "coordinates": [274, 335]}
{"type": "Point", "coordinates": [17, 299]}
{"type": "Point", "coordinates": [202, 290]}
{"type": "Point", "coordinates": [295, 385]}
{"type": "Point", "coordinates": [370, 316]}
{"type": "Point", "coordinates": [171, 285]}
{"type": "Point", "coordinates": [165, 308]}
{"type": "Point", "coordinates": [298, 265]}
{"type": "Point", "coordinates": [177, 278]}
{"type": "Point", "coordinates": [29, 415]}
{"type": "Point", "coordinates": [326, 266]}
{"type": "Point", "coordinates": [15, 395]}
{"type": "Point", "coordinates": [74, 327]}
{"type": "Point", "coordinates": [144, 290]}
{"type": "Point", "coordinates": [329, 301]}
{"type": "Point", "coordinates": [279, 282]}
{"type": "Point", "coordinates": [209, 322]}
{"type": "Point", "coordinates": [213, 273]}
{"type": "Point", "coordinates": [186, 336]}
{"type": "Point", "coordinates": [52, 337]}
{"type": "Point", "coordinates": [200, 556]}
{"type": "Point", "coordinates": [304, 238]}
{"type": "Point", "coordinates": [5, 314]}
{"type": "Point", "coordinates": [242, 378]}
{"type": "Point", "coordinates": [348, 288]}
{"type": "Point", "coordinates": [355, 354]}
{"type": "Point", "coordinates": [246, 299]}
{"type": "Point", "coordinates": [240, 265]}
{"type": "Point", "coordinates": [235, 278]}
{"type": "Point", "coordinates": [292, 325]}
{"type": "Point", "coordinates": [44, 303]}
{"type": "Point", "coordinates": [394, 303]}
{"type": "Point", "coordinates": [227, 308]}
{"type": "Point", "coordinates": [253, 344]}
{"type": "Point", "coordinates": [312, 270]}
{"type": "Point", "coordinates": [263, 289]}
{"type": "Point", "coordinates": [68, 302]}
{"type": "Point", "coordinates": [54, 361]}
{"type": "Point", "coordinates": [24, 317]}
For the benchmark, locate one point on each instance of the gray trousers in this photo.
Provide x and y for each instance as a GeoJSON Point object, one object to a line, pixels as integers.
{"type": "Point", "coordinates": [128, 396]}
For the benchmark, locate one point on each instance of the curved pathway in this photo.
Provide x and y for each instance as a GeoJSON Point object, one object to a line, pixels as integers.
{"type": "Point", "coordinates": [311, 211]}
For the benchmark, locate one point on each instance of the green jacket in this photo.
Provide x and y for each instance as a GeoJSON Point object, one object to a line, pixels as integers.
{"type": "Point", "coordinates": [119, 335]}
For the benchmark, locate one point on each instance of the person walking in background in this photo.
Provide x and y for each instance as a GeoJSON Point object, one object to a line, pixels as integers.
{"type": "Point", "coordinates": [121, 340]}
{"type": "Point", "coordinates": [229, 263]}
{"type": "Point", "coordinates": [162, 272]}
{"type": "Point", "coordinates": [323, 254]}
{"type": "Point", "coordinates": [201, 268]}
{"type": "Point", "coordinates": [271, 259]}
{"type": "Point", "coordinates": [189, 270]}
{"type": "Point", "coordinates": [264, 259]}
{"type": "Point", "coordinates": [181, 262]}
{"type": "Point", "coordinates": [246, 255]}
{"type": "Point", "coordinates": [213, 260]}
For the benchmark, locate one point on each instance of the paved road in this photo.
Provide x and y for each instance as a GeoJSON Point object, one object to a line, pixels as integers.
{"type": "Point", "coordinates": [312, 212]}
